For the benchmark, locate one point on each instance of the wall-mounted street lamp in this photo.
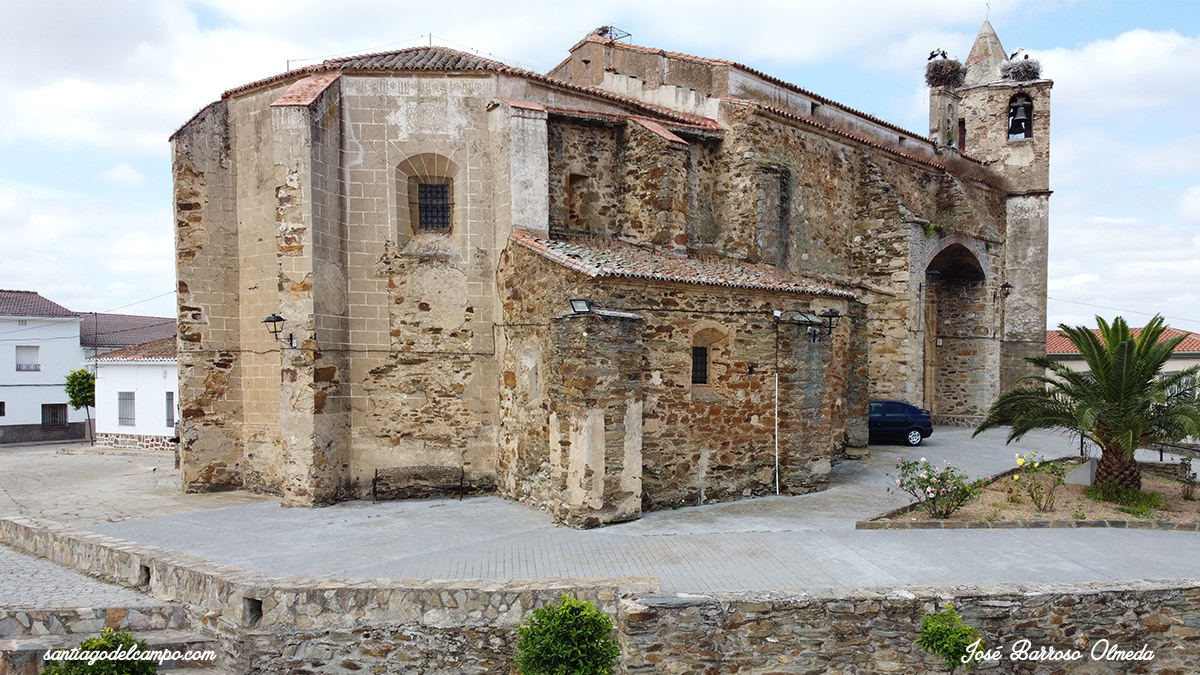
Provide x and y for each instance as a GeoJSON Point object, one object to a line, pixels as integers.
{"type": "Point", "coordinates": [1005, 289]}
{"type": "Point", "coordinates": [831, 317]}
{"type": "Point", "coordinates": [275, 325]}
{"type": "Point", "coordinates": [581, 306]}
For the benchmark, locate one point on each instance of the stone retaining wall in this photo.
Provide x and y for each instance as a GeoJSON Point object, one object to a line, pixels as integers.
{"type": "Point", "coordinates": [138, 441]}
{"type": "Point", "coordinates": [414, 626]}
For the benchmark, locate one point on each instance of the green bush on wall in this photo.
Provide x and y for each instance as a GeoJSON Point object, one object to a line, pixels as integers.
{"type": "Point", "coordinates": [108, 641]}
{"type": "Point", "coordinates": [944, 634]}
{"type": "Point", "coordinates": [570, 638]}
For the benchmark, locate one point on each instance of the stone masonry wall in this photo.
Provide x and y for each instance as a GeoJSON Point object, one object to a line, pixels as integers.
{"type": "Point", "coordinates": [699, 443]}
{"type": "Point", "coordinates": [284, 626]}
{"type": "Point", "coordinates": [140, 442]}
{"type": "Point", "coordinates": [206, 239]}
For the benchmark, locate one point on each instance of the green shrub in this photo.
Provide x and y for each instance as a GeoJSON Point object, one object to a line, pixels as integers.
{"type": "Point", "coordinates": [943, 634]}
{"type": "Point", "coordinates": [940, 492]}
{"type": "Point", "coordinates": [108, 641]}
{"type": "Point", "coordinates": [1110, 491]}
{"type": "Point", "coordinates": [570, 638]}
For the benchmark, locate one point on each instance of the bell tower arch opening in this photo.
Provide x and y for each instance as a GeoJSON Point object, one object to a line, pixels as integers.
{"type": "Point", "coordinates": [960, 351]}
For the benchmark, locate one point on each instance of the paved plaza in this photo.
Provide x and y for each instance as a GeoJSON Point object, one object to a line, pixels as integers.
{"type": "Point", "coordinates": [776, 543]}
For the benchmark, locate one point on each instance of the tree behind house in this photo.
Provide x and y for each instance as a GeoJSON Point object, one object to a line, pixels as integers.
{"type": "Point", "coordinates": [1123, 402]}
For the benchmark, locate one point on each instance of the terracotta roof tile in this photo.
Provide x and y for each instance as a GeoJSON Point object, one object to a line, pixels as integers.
{"type": "Point", "coordinates": [443, 59]}
{"type": "Point", "coordinates": [29, 303]}
{"type": "Point", "coordinates": [304, 92]}
{"type": "Point", "coordinates": [121, 330]}
{"type": "Point", "coordinates": [603, 257]}
{"type": "Point", "coordinates": [1057, 343]}
{"type": "Point", "coordinates": [155, 350]}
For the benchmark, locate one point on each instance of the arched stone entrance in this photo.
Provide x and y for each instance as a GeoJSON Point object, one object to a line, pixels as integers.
{"type": "Point", "coordinates": [960, 352]}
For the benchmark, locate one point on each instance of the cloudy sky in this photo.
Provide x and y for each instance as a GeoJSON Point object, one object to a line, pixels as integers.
{"type": "Point", "coordinates": [94, 88]}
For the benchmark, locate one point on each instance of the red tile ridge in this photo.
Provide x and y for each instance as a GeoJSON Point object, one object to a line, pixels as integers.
{"type": "Point", "coordinates": [304, 92]}
{"type": "Point", "coordinates": [521, 103]}
{"type": "Point", "coordinates": [658, 129]}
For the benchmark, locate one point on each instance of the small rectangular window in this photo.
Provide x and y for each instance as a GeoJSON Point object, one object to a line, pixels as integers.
{"type": "Point", "coordinates": [1, 408]}
{"type": "Point", "coordinates": [27, 359]}
{"type": "Point", "coordinates": [170, 409]}
{"type": "Point", "coordinates": [699, 365]}
{"type": "Point", "coordinates": [125, 415]}
{"type": "Point", "coordinates": [54, 414]}
{"type": "Point", "coordinates": [433, 206]}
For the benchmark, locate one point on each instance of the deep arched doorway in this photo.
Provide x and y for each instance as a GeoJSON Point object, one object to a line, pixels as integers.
{"type": "Point", "coordinates": [959, 349]}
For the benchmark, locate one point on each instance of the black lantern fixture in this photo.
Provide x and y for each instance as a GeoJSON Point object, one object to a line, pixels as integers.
{"type": "Point", "coordinates": [274, 324]}
{"type": "Point", "coordinates": [831, 317]}
{"type": "Point", "coordinates": [1006, 288]}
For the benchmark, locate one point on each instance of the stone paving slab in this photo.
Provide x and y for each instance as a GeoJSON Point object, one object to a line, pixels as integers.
{"type": "Point", "coordinates": [775, 543]}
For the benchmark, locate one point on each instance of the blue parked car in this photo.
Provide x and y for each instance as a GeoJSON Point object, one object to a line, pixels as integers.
{"type": "Point", "coordinates": [898, 421]}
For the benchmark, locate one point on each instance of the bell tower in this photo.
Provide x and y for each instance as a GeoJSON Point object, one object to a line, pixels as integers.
{"type": "Point", "coordinates": [1004, 122]}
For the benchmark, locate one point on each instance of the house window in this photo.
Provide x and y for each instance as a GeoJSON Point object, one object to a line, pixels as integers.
{"type": "Point", "coordinates": [433, 206]}
{"type": "Point", "coordinates": [54, 414]}
{"type": "Point", "coordinates": [699, 365]}
{"type": "Point", "coordinates": [1020, 117]}
{"type": "Point", "coordinates": [125, 415]}
{"type": "Point", "coordinates": [27, 359]}
{"type": "Point", "coordinates": [1, 408]}
{"type": "Point", "coordinates": [171, 409]}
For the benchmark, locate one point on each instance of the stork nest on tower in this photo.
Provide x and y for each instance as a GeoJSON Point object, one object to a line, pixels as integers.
{"type": "Point", "coordinates": [1021, 70]}
{"type": "Point", "coordinates": [944, 73]}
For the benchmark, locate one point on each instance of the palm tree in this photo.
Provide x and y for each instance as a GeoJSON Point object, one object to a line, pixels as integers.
{"type": "Point", "coordinates": [1122, 403]}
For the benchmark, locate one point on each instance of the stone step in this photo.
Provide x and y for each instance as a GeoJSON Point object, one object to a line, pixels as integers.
{"type": "Point", "coordinates": [23, 655]}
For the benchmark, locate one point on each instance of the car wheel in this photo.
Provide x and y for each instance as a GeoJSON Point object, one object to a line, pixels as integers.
{"type": "Point", "coordinates": [913, 437]}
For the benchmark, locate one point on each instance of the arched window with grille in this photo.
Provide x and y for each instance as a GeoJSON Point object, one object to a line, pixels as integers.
{"type": "Point", "coordinates": [425, 194]}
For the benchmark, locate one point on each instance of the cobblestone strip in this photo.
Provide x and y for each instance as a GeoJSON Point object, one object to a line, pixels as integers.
{"type": "Point", "coordinates": [29, 582]}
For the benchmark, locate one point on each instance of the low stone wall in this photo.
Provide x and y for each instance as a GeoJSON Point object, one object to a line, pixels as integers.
{"type": "Point", "coordinates": [277, 626]}
{"type": "Point", "coordinates": [867, 632]}
{"type": "Point", "coordinates": [138, 441]}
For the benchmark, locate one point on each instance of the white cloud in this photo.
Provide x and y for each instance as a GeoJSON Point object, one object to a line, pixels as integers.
{"type": "Point", "coordinates": [1136, 72]}
{"type": "Point", "coordinates": [1189, 204]}
{"type": "Point", "coordinates": [124, 175]}
{"type": "Point", "coordinates": [73, 250]}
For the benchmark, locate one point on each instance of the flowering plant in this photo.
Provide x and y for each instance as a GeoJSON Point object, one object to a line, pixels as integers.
{"type": "Point", "coordinates": [940, 492]}
{"type": "Point", "coordinates": [1187, 479]}
{"type": "Point", "coordinates": [1041, 479]}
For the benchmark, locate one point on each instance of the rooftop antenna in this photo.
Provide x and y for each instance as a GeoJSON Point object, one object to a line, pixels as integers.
{"type": "Point", "coordinates": [613, 33]}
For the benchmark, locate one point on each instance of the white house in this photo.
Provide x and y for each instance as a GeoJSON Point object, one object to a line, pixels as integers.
{"type": "Point", "coordinates": [39, 345]}
{"type": "Point", "coordinates": [137, 396]}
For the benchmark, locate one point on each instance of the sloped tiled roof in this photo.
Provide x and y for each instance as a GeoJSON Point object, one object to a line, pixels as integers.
{"type": "Point", "coordinates": [599, 257]}
{"type": "Point", "coordinates": [122, 330]}
{"type": "Point", "coordinates": [155, 350]}
{"type": "Point", "coordinates": [29, 303]}
{"type": "Point", "coordinates": [416, 58]}
{"type": "Point", "coordinates": [1058, 344]}
{"type": "Point", "coordinates": [601, 39]}
{"type": "Point", "coordinates": [443, 59]}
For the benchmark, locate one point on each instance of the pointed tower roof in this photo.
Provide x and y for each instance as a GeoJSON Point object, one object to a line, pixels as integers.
{"type": "Point", "coordinates": [983, 64]}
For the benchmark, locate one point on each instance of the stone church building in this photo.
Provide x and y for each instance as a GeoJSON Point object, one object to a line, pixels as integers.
{"type": "Point", "coordinates": [644, 279]}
